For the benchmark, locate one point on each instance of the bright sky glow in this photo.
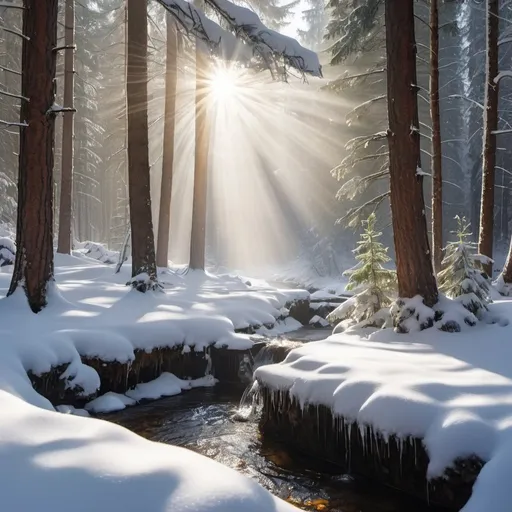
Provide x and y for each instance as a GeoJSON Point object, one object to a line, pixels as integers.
{"type": "Point", "coordinates": [224, 83]}
{"type": "Point", "coordinates": [272, 147]}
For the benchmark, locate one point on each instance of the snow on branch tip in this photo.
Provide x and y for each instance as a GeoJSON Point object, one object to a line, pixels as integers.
{"type": "Point", "coordinates": [252, 39]}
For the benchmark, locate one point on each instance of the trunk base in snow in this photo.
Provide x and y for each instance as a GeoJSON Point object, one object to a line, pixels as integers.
{"type": "Point", "coordinates": [400, 463]}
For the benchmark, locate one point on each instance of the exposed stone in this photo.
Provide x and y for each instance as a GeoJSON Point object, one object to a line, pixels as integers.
{"type": "Point", "coordinates": [299, 309]}
{"type": "Point", "coordinates": [361, 450]}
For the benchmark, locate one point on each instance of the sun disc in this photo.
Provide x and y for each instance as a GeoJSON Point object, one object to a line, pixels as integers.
{"type": "Point", "coordinates": [223, 84]}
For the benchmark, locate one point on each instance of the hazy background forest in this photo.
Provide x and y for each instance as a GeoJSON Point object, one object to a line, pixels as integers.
{"type": "Point", "coordinates": [279, 156]}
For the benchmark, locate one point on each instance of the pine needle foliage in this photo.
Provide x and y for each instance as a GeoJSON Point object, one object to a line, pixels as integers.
{"type": "Point", "coordinates": [370, 281]}
{"type": "Point", "coordinates": [462, 277]}
{"type": "Point", "coordinates": [354, 27]}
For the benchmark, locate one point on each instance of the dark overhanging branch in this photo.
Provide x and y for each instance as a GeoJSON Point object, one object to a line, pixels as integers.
{"type": "Point", "coordinates": [16, 33]}
{"type": "Point", "coordinates": [251, 39]}
{"type": "Point", "coordinates": [9, 70]}
{"type": "Point", "coordinates": [60, 48]}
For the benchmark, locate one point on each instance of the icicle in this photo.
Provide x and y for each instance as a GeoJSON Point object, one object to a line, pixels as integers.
{"type": "Point", "coordinates": [363, 437]}
{"type": "Point", "coordinates": [345, 440]}
{"type": "Point", "coordinates": [128, 369]}
{"type": "Point", "coordinates": [208, 370]}
{"type": "Point", "coordinates": [349, 431]}
{"type": "Point", "coordinates": [376, 440]}
{"type": "Point", "coordinates": [400, 443]}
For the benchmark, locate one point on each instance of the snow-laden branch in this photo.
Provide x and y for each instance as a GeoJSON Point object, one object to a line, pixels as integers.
{"type": "Point", "coordinates": [16, 33]}
{"type": "Point", "coordinates": [247, 24]}
{"type": "Point", "coordinates": [358, 111]}
{"type": "Point", "coordinates": [352, 216]}
{"type": "Point", "coordinates": [195, 22]}
{"type": "Point", "coordinates": [259, 40]}
{"type": "Point", "coordinates": [505, 40]}
{"type": "Point", "coordinates": [348, 80]}
{"type": "Point", "coordinates": [363, 141]}
{"type": "Point", "coordinates": [9, 5]}
{"type": "Point", "coordinates": [8, 124]}
{"type": "Point", "coordinates": [462, 97]}
{"type": "Point", "coordinates": [501, 75]}
{"type": "Point", "coordinates": [9, 70]}
{"type": "Point", "coordinates": [11, 95]}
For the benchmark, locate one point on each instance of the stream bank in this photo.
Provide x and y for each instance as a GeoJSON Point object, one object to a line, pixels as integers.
{"type": "Point", "coordinates": [202, 420]}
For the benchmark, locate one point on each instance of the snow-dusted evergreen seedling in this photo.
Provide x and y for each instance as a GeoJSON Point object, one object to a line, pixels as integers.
{"type": "Point", "coordinates": [370, 282]}
{"type": "Point", "coordinates": [462, 277]}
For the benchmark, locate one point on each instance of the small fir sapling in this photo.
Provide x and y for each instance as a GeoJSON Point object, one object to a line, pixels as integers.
{"type": "Point", "coordinates": [462, 278]}
{"type": "Point", "coordinates": [371, 283]}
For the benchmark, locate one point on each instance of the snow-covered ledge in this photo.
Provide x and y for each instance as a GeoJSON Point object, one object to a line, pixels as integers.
{"type": "Point", "coordinates": [405, 409]}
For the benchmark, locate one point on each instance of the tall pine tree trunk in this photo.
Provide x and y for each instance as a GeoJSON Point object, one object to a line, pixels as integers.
{"type": "Point", "coordinates": [413, 259]}
{"type": "Point", "coordinates": [171, 78]}
{"type": "Point", "coordinates": [507, 269]}
{"type": "Point", "coordinates": [66, 184]}
{"type": "Point", "coordinates": [198, 238]}
{"type": "Point", "coordinates": [143, 244]}
{"type": "Point", "coordinates": [485, 240]}
{"type": "Point", "coordinates": [33, 268]}
{"type": "Point", "coordinates": [436, 160]}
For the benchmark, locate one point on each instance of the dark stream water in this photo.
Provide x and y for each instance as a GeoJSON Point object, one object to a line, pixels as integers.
{"type": "Point", "coordinates": [202, 420]}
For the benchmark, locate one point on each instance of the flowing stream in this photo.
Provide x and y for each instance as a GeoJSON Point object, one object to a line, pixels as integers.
{"type": "Point", "coordinates": [203, 420]}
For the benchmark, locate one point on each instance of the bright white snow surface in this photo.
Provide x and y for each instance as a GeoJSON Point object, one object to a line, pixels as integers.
{"type": "Point", "coordinates": [62, 462]}
{"type": "Point", "coordinates": [454, 390]}
{"type": "Point", "coordinates": [93, 310]}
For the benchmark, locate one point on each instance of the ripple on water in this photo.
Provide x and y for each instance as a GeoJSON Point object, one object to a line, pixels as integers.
{"type": "Point", "coordinates": [202, 420]}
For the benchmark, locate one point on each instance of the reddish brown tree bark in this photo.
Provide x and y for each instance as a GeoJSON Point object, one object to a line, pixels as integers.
{"type": "Point", "coordinates": [413, 260]}
{"type": "Point", "coordinates": [507, 269]}
{"type": "Point", "coordinates": [171, 78]}
{"type": "Point", "coordinates": [486, 239]}
{"type": "Point", "coordinates": [34, 231]}
{"type": "Point", "coordinates": [436, 160]}
{"type": "Point", "coordinates": [143, 244]}
{"type": "Point", "coordinates": [66, 183]}
{"type": "Point", "coordinates": [198, 238]}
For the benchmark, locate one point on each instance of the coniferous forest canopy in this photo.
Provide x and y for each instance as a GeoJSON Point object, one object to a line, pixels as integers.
{"type": "Point", "coordinates": [309, 199]}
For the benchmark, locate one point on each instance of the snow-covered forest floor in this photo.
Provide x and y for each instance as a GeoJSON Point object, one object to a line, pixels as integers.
{"type": "Point", "coordinates": [453, 390]}
{"type": "Point", "coordinates": [92, 307]}
{"type": "Point", "coordinates": [92, 312]}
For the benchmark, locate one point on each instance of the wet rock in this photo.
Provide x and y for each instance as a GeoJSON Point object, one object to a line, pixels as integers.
{"type": "Point", "coordinates": [360, 450]}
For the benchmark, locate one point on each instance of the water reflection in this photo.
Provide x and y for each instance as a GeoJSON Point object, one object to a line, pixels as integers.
{"type": "Point", "coordinates": [202, 420]}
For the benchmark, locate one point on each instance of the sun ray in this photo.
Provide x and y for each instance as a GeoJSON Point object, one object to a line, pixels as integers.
{"type": "Point", "coordinates": [271, 150]}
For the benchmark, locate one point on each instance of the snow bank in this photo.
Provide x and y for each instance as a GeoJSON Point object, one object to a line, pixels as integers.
{"type": "Point", "coordinates": [109, 402]}
{"type": "Point", "coordinates": [97, 315]}
{"type": "Point", "coordinates": [454, 390]}
{"type": "Point", "coordinates": [63, 462]}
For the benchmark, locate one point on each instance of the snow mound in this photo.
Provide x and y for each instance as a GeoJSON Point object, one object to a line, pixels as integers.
{"type": "Point", "coordinates": [109, 402]}
{"type": "Point", "coordinates": [69, 409]}
{"type": "Point", "coordinates": [99, 252]}
{"type": "Point", "coordinates": [53, 461]}
{"type": "Point", "coordinates": [167, 384]}
{"type": "Point", "coordinates": [453, 390]}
